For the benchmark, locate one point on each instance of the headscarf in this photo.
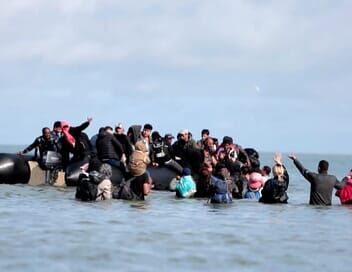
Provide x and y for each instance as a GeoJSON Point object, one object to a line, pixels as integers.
{"type": "Point", "coordinates": [65, 126]}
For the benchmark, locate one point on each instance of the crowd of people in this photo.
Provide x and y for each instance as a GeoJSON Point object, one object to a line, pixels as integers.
{"type": "Point", "coordinates": [219, 171]}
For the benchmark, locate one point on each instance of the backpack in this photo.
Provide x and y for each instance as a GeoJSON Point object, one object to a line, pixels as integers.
{"type": "Point", "coordinates": [87, 187]}
{"type": "Point", "coordinates": [185, 187]}
{"type": "Point", "coordinates": [124, 191]}
{"type": "Point", "coordinates": [220, 191]}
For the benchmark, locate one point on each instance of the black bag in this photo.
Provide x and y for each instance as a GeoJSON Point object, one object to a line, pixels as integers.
{"type": "Point", "coordinates": [124, 191]}
{"type": "Point", "coordinates": [87, 187]}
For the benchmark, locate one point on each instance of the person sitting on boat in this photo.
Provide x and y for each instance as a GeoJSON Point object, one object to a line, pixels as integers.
{"type": "Point", "coordinates": [110, 150]}
{"type": "Point", "coordinates": [42, 144]}
{"type": "Point", "coordinates": [168, 138]}
{"type": "Point", "coordinates": [209, 151]}
{"type": "Point", "coordinates": [232, 152]}
{"type": "Point", "coordinates": [275, 189]}
{"type": "Point", "coordinates": [345, 194]}
{"type": "Point", "coordinates": [145, 136]}
{"type": "Point", "coordinates": [321, 183]}
{"type": "Point", "coordinates": [187, 153]}
{"type": "Point", "coordinates": [76, 142]}
{"type": "Point", "coordinates": [56, 133]}
{"type": "Point", "coordinates": [161, 155]}
{"type": "Point", "coordinates": [204, 134]}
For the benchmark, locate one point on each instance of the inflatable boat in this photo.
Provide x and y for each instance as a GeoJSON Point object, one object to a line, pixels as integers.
{"type": "Point", "coordinates": [16, 168]}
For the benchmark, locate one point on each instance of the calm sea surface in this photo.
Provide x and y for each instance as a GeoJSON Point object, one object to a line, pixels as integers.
{"type": "Point", "coordinates": [46, 229]}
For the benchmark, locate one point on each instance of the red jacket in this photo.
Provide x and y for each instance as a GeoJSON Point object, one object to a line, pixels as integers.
{"type": "Point", "coordinates": [345, 194]}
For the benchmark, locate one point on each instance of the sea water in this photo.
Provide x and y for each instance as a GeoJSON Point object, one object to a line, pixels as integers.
{"type": "Point", "coordinates": [45, 229]}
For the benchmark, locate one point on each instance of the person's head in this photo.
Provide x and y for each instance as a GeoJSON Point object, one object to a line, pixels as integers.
{"type": "Point", "coordinates": [156, 136]}
{"type": "Point", "coordinates": [46, 132]}
{"type": "Point", "coordinates": [227, 141]}
{"type": "Point", "coordinates": [209, 144]}
{"type": "Point", "coordinates": [206, 169]}
{"type": "Point", "coordinates": [168, 138]}
{"type": "Point", "coordinates": [57, 127]}
{"type": "Point", "coordinates": [266, 170]}
{"type": "Point", "coordinates": [278, 171]}
{"type": "Point", "coordinates": [221, 154]}
{"type": "Point", "coordinates": [119, 129]}
{"type": "Point", "coordinates": [205, 134]}
{"type": "Point", "coordinates": [109, 130]}
{"type": "Point", "coordinates": [184, 135]}
{"type": "Point", "coordinates": [323, 167]}
{"type": "Point", "coordinates": [147, 130]}
{"type": "Point", "coordinates": [222, 171]}
{"type": "Point", "coordinates": [65, 126]}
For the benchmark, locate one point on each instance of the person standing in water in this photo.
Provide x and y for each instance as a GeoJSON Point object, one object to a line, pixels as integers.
{"type": "Point", "coordinates": [321, 183]}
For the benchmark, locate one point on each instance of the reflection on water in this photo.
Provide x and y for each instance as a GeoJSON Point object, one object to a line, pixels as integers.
{"type": "Point", "coordinates": [46, 229]}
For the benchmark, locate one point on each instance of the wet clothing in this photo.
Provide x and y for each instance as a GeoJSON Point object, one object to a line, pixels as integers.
{"type": "Point", "coordinates": [345, 194]}
{"type": "Point", "coordinates": [274, 190]}
{"type": "Point", "coordinates": [185, 187]}
{"type": "Point", "coordinates": [220, 190]}
{"type": "Point", "coordinates": [132, 188]}
{"type": "Point", "coordinates": [82, 148]}
{"type": "Point", "coordinates": [42, 144]}
{"type": "Point", "coordinates": [321, 185]}
{"type": "Point", "coordinates": [252, 195]}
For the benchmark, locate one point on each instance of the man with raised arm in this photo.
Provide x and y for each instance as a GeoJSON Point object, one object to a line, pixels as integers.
{"type": "Point", "coordinates": [321, 183]}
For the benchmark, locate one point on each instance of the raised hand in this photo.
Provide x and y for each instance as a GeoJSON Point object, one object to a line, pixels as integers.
{"type": "Point", "coordinates": [292, 157]}
{"type": "Point", "coordinates": [277, 158]}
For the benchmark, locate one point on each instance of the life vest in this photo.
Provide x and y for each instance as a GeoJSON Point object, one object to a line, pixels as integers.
{"type": "Point", "coordinates": [345, 194]}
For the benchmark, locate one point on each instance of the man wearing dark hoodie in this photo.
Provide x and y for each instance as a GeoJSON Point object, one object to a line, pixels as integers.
{"type": "Point", "coordinates": [321, 183]}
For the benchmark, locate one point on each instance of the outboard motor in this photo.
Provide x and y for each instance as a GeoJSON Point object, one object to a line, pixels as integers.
{"type": "Point", "coordinates": [51, 163]}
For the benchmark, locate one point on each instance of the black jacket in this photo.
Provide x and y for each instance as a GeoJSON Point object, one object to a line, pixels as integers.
{"type": "Point", "coordinates": [43, 145]}
{"type": "Point", "coordinates": [108, 147]}
{"type": "Point", "coordinates": [125, 143]}
{"type": "Point", "coordinates": [82, 148]}
{"type": "Point", "coordinates": [274, 190]}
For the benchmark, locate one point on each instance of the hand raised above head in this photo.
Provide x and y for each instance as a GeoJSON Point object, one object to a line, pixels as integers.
{"type": "Point", "coordinates": [292, 157]}
{"type": "Point", "coordinates": [89, 119]}
{"type": "Point", "coordinates": [277, 158]}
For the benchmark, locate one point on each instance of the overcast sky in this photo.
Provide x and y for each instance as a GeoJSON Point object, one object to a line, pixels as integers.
{"type": "Point", "coordinates": [274, 75]}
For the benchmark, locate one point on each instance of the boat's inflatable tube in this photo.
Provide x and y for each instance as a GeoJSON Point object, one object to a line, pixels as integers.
{"type": "Point", "coordinates": [14, 169]}
{"type": "Point", "coordinates": [162, 177]}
